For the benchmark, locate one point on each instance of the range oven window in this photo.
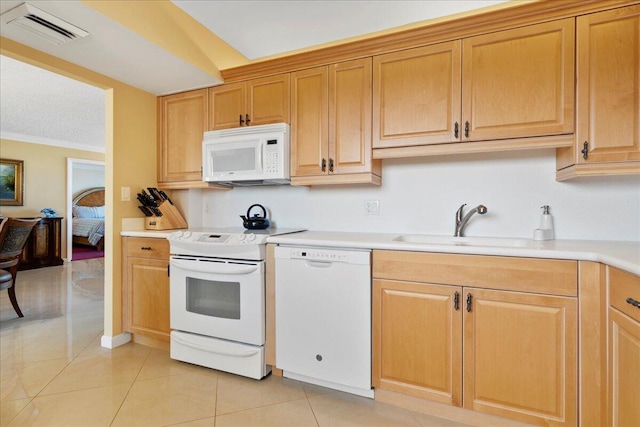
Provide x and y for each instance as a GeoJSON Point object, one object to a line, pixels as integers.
{"type": "Point", "coordinates": [213, 298]}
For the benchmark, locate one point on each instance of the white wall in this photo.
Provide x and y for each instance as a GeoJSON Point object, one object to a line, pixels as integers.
{"type": "Point", "coordinates": [85, 177]}
{"type": "Point", "coordinates": [421, 196]}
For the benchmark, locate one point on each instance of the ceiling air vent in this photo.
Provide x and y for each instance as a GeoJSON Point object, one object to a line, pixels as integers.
{"type": "Point", "coordinates": [42, 24]}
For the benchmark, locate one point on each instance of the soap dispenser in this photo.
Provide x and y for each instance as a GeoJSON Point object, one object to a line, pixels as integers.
{"type": "Point", "coordinates": [545, 232]}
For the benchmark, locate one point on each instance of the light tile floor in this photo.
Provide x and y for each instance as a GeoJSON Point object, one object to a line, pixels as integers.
{"type": "Point", "coordinates": [55, 373]}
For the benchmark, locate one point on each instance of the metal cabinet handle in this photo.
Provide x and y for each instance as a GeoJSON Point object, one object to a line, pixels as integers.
{"type": "Point", "coordinates": [456, 301]}
{"type": "Point", "coordinates": [585, 150]}
{"type": "Point", "coordinates": [246, 116]}
{"type": "Point", "coordinates": [469, 302]}
{"type": "Point", "coordinates": [145, 248]}
{"type": "Point", "coordinates": [331, 165]}
{"type": "Point", "coordinates": [466, 129]}
{"type": "Point", "coordinates": [633, 302]}
{"type": "Point", "coordinates": [456, 130]}
{"type": "Point", "coordinates": [241, 120]}
{"type": "Point", "coordinates": [323, 167]}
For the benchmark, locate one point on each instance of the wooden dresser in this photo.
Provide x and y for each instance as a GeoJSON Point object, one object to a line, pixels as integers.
{"type": "Point", "coordinates": [43, 249]}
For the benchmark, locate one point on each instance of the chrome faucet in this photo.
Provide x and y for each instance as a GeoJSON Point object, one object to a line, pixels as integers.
{"type": "Point", "coordinates": [461, 222]}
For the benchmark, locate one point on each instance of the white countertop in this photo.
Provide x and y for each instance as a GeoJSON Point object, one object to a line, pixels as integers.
{"type": "Point", "coordinates": [162, 234]}
{"type": "Point", "coordinates": [623, 255]}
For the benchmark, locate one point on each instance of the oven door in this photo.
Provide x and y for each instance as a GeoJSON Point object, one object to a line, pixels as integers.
{"type": "Point", "coordinates": [218, 298]}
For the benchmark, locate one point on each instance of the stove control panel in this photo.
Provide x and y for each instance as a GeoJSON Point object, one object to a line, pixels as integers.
{"type": "Point", "coordinates": [218, 239]}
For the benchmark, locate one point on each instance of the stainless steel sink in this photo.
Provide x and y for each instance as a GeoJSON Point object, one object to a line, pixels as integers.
{"type": "Point", "coordinates": [426, 239]}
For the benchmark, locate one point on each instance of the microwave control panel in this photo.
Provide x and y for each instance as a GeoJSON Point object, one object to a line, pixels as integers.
{"type": "Point", "coordinates": [272, 156]}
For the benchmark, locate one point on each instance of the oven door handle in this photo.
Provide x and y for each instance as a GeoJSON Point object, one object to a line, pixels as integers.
{"type": "Point", "coordinates": [213, 267]}
{"type": "Point", "coordinates": [248, 353]}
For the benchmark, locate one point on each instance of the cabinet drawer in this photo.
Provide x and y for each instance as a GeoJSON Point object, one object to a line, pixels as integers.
{"type": "Point", "coordinates": [624, 285]}
{"type": "Point", "coordinates": [145, 247]}
{"type": "Point", "coordinates": [544, 276]}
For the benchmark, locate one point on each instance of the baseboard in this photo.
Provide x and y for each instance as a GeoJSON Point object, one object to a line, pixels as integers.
{"type": "Point", "coordinates": [113, 342]}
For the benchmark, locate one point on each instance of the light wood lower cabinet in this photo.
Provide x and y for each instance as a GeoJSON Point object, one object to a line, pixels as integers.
{"type": "Point", "coordinates": [510, 352]}
{"type": "Point", "coordinates": [520, 356]}
{"type": "Point", "coordinates": [418, 340]}
{"type": "Point", "coordinates": [624, 349]}
{"type": "Point", "coordinates": [146, 287]}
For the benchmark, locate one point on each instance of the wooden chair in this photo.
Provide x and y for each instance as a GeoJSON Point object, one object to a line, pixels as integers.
{"type": "Point", "coordinates": [13, 237]}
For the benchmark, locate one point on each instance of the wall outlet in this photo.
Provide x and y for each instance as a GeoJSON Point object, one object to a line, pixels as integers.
{"type": "Point", "coordinates": [126, 194]}
{"type": "Point", "coordinates": [372, 207]}
{"type": "Point", "coordinates": [207, 207]}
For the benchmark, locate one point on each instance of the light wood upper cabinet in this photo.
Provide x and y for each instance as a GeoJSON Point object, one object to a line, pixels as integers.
{"type": "Point", "coordinates": [182, 120]}
{"type": "Point", "coordinates": [519, 83]}
{"type": "Point", "coordinates": [608, 95]}
{"type": "Point", "coordinates": [309, 122]}
{"type": "Point", "coordinates": [255, 102]}
{"type": "Point", "coordinates": [146, 287]}
{"type": "Point", "coordinates": [504, 85]}
{"type": "Point", "coordinates": [624, 349]}
{"type": "Point", "coordinates": [417, 96]}
{"type": "Point", "coordinates": [331, 125]}
{"type": "Point", "coordinates": [515, 318]}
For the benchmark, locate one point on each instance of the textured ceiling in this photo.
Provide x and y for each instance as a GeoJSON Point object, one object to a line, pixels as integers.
{"type": "Point", "coordinates": [43, 107]}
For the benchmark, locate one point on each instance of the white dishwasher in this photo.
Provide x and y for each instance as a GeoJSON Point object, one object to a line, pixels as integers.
{"type": "Point", "coordinates": [323, 317]}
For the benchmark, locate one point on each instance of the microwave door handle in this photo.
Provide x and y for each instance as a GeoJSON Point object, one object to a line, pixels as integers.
{"type": "Point", "coordinates": [260, 157]}
{"type": "Point", "coordinates": [214, 267]}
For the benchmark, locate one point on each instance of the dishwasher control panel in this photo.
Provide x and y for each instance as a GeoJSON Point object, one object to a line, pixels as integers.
{"type": "Point", "coordinates": [319, 254]}
{"type": "Point", "coordinates": [325, 254]}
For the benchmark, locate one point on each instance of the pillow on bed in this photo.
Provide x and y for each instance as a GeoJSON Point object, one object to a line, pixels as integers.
{"type": "Point", "coordinates": [88, 211]}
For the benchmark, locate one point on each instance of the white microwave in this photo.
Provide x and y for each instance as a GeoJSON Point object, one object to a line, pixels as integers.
{"type": "Point", "coordinates": [254, 155]}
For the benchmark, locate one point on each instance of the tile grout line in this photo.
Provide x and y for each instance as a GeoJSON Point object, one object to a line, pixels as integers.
{"type": "Point", "coordinates": [130, 387]}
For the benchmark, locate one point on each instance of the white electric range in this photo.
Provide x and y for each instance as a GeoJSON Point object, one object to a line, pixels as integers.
{"type": "Point", "coordinates": [217, 290]}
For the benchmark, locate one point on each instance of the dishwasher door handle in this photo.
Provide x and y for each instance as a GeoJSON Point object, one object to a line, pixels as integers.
{"type": "Point", "coordinates": [319, 264]}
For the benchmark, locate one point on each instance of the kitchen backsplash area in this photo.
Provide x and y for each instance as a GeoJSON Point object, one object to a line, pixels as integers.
{"type": "Point", "coordinates": [422, 195]}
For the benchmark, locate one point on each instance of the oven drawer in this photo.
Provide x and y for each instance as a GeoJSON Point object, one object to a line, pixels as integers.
{"type": "Point", "coordinates": [146, 247]}
{"type": "Point", "coordinates": [237, 358]}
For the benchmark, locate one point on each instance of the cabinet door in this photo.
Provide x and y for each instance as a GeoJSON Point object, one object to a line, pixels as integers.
{"type": "Point", "coordinates": [147, 298]}
{"type": "Point", "coordinates": [519, 82]}
{"type": "Point", "coordinates": [182, 121]}
{"type": "Point", "coordinates": [350, 117]}
{"type": "Point", "coordinates": [624, 370]}
{"type": "Point", "coordinates": [520, 356]}
{"type": "Point", "coordinates": [609, 86]}
{"type": "Point", "coordinates": [309, 122]}
{"type": "Point", "coordinates": [268, 100]}
{"type": "Point", "coordinates": [417, 337]}
{"type": "Point", "coordinates": [416, 96]}
{"type": "Point", "coordinates": [227, 106]}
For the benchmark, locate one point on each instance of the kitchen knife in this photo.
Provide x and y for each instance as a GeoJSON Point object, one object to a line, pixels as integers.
{"type": "Point", "coordinates": [155, 193]}
{"type": "Point", "coordinates": [164, 195]}
{"type": "Point", "coordinates": [145, 211]}
{"type": "Point", "coordinates": [150, 200]}
{"type": "Point", "coordinates": [142, 199]}
{"type": "Point", "coordinates": [155, 210]}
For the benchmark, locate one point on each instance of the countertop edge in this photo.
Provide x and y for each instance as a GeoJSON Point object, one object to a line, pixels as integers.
{"type": "Point", "coordinates": [616, 254]}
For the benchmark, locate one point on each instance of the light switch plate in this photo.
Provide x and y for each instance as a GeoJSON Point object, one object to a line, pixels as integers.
{"type": "Point", "coordinates": [126, 194]}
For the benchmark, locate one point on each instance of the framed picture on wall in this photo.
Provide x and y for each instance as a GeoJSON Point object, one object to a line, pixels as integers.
{"type": "Point", "coordinates": [11, 182]}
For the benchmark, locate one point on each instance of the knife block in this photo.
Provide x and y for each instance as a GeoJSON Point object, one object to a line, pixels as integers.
{"type": "Point", "coordinates": [170, 219]}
